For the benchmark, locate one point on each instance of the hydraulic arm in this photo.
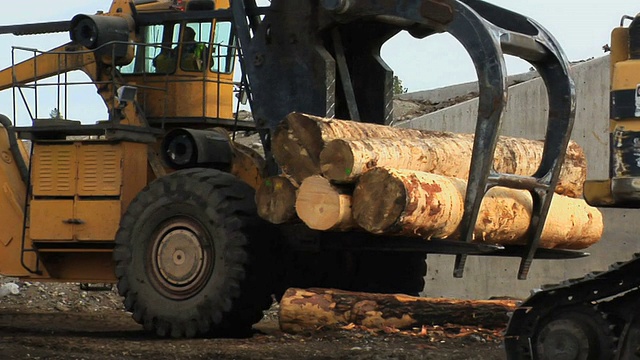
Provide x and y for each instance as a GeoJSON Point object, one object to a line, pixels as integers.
{"type": "Point", "coordinates": [57, 61]}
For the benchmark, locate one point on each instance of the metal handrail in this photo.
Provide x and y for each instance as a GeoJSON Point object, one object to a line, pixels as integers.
{"type": "Point", "coordinates": [150, 80]}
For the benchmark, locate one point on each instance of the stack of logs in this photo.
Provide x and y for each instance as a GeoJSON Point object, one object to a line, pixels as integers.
{"type": "Point", "coordinates": [345, 175]}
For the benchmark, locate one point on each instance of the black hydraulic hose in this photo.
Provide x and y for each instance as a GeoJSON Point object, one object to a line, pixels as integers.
{"type": "Point", "coordinates": [634, 39]}
{"type": "Point", "coordinates": [14, 148]}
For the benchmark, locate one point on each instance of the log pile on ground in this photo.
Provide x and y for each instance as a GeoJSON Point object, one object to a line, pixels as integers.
{"type": "Point", "coordinates": [306, 310]}
{"type": "Point", "coordinates": [410, 182]}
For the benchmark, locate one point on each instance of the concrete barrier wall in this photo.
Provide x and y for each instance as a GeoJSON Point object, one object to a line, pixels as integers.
{"type": "Point", "coordinates": [526, 117]}
{"type": "Point", "coordinates": [453, 91]}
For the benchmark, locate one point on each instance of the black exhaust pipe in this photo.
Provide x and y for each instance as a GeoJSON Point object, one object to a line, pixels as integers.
{"type": "Point", "coordinates": [634, 39]}
{"type": "Point", "coordinates": [188, 148]}
{"type": "Point", "coordinates": [96, 31]}
{"type": "Point", "coordinates": [15, 150]}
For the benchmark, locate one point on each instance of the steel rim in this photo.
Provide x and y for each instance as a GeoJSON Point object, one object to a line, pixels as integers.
{"type": "Point", "coordinates": [181, 258]}
{"type": "Point", "coordinates": [566, 339]}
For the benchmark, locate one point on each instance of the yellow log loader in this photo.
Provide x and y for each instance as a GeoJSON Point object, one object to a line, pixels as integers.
{"type": "Point", "coordinates": [158, 198]}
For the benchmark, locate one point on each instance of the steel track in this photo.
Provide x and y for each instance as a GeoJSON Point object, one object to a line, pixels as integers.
{"type": "Point", "coordinates": [594, 288]}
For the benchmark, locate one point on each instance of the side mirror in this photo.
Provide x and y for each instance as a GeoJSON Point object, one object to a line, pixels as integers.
{"type": "Point", "coordinates": [125, 94]}
{"type": "Point", "coordinates": [242, 95]}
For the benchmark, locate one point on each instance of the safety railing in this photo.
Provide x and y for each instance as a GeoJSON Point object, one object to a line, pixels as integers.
{"type": "Point", "coordinates": [215, 75]}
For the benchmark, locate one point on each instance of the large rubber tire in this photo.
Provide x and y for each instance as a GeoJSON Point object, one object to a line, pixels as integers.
{"type": "Point", "coordinates": [191, 257]}
{"type": "Point", "coordinates": [574, 333]}
{"type": "Point", "coordinates": [630, 343]}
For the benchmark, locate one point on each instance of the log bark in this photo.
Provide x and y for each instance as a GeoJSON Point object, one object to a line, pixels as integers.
{"type": "Point", "coordinates": [344, 160]}
{"type": "Point", "coordinates": [304, 310]}
{"type": "Point", "coordinates": [276, 199]}
{"type": "Point", "coordinates": [322, 206]}
{"type": "Point", "coordinates": [300, 139]}
{"type": "Point", "coordinates": [413, 203]}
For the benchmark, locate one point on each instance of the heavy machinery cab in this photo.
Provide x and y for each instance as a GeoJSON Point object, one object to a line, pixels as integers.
{"type": "Point", "coordinates": [184, 72]}
{"type": "Point", "coordinates": [176, 62]}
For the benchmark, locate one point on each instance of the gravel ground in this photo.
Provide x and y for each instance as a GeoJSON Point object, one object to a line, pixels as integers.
{"type": "Point", "coordinates": [61, 321]}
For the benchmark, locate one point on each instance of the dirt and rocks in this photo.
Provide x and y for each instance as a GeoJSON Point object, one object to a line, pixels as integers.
{"type": "Point", "coordinates": [410, 109]}
{"type": "Point", "coordinates": [61, 321]}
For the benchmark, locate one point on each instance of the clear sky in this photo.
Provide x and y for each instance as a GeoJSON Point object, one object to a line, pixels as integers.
{"type": "Point", "coordinates": [581, 26]}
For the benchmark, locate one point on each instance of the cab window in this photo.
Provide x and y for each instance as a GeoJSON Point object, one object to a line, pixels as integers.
{"type": "Point", "coordinates": [224, 53]}
{"type": "Point", "coordinates": [158, 54]}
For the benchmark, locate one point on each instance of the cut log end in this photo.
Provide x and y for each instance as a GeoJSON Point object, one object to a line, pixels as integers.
{"type": "Point", "coordinates": [336, 161]}
{"type": "Point", "coordinates": [276, 199]}
{"type": "Point", "coordinates": [293, 156]}
{"type": "Point", "coordinates": [388, 194]}
{"type": "Point", "coordinates": [322, 206]}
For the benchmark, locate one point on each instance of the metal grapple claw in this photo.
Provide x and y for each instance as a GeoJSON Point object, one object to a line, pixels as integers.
{"type": "Point", "coordinates": [342, 41]}
{"type": "Point", "coordinates": [488, 32]}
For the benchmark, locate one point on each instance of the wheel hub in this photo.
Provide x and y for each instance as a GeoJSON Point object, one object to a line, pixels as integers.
{"type": "Point", "coordinates": [564, 340]}
{"type": "Point", "coordinates": [630, 348]}
{"type": "Point", "coordinates": [578, 333]}
{"type": "Point", "coordinates": [181, 258]}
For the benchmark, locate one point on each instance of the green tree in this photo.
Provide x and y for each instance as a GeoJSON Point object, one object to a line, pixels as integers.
{"type": "Point", "coordinates": [397, 86]}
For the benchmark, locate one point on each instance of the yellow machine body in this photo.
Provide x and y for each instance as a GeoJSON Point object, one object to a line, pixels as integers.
{"type": "Point", "coordinates": [181, 88]}
{"type": "Point", "coordinates": [622, 188]}
{"type": "Point", "coordinates": [12, 203]}
{"type": "Point", "coordinates": [80, 186]}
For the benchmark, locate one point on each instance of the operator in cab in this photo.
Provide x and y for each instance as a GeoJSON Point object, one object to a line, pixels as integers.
{"type": "Point", "coordinates": [194, 54]}
{"type": "Point", "coordinates": [165, 62]}
{"type": "Point", "coordinates": [192, 57]}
